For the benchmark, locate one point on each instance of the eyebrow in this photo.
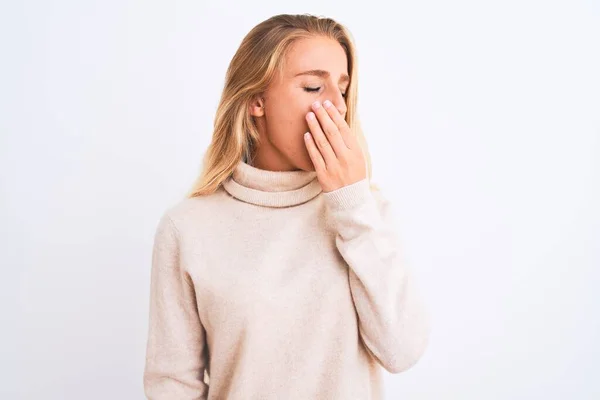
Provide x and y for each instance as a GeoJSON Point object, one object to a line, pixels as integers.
{"type": "Point", "coordinates": [323, 74]}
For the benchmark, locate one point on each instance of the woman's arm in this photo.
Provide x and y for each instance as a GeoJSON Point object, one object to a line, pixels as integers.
{"type": "Point", "coordinates": [176, 353]}
{"type": "Point", "coordinates": [393, 321]}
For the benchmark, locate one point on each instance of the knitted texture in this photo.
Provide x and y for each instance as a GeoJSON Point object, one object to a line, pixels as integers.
{"type": "Point", "coordinates": [278, 290]}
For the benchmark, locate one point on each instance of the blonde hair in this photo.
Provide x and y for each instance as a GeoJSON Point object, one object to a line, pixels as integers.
{"type": "Point", "coordinates": [260, 56]}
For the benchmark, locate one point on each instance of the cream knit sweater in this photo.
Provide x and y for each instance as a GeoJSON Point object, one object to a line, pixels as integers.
{"type": "Point", "coordinates": [278, 290]}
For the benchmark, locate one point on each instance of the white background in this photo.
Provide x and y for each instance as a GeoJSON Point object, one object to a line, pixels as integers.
{"type": "Point", "coordinates": [483, 120]}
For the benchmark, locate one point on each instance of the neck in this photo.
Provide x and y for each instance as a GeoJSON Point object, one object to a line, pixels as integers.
{"type": "Point", "coordinates": [270, 159]}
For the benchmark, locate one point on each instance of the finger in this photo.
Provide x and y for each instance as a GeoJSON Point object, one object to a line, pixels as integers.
{"type": "Point", "coordinates": [320, 139]}
{"type": "Point", "coordinates": [330, 127]}
{"type": "Point", "coordinates": [313, 152]}
{"type": "Point", "coordinates": [342, 126]}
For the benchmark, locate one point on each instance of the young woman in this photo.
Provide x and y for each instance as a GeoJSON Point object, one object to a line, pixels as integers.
{"type": "Point", "coordinates": [280, 275]}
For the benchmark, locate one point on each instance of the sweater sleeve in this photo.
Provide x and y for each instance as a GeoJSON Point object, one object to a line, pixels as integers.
{"type": "Point", "coordinates": [393, 320]}
{"type": "Point", "coordinates": [176, 354]}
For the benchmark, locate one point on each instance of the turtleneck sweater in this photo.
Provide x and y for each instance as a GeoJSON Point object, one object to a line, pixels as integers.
{"type": "Point", "coordinates": [271, 288]}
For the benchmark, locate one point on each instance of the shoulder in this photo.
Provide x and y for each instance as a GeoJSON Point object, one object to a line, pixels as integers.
{"type": "Point", "coordinates": [194, 210]}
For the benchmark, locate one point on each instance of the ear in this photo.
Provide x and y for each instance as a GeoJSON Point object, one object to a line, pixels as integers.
{"type": "Point", "coordinates": [257, 106]}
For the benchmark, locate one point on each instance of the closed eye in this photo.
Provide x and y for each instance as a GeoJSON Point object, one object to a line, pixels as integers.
{"type": "Point", "coordinates": [309, 89]}
{"type": "Point", "coordinates": [312, 90]}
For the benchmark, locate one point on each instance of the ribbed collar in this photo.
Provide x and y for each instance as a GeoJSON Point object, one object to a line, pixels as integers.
{"type": "Point", "coordinates": [272, 188]}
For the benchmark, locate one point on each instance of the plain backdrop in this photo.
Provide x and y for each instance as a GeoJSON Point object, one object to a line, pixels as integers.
{"type": "Point", "coordinates": [483, 119]}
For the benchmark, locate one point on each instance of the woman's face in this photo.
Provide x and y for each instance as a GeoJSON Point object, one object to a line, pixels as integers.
{"type": "Point", "coordinates": [315, 69]}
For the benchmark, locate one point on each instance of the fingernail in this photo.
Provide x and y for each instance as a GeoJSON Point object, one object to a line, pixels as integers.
{"type": "Point", "coordinates": [326, 104]}
{"type": "Point", "coordinates": [316, 104]}
{"type": "Point", "coordinates": [311, 115]}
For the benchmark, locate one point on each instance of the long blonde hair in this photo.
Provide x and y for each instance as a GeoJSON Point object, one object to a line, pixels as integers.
{"type": "Point", "coordinates": [260, 56]}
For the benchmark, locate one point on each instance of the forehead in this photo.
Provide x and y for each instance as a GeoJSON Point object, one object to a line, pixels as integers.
{"type": "Point", "coordinates": [316, 53]}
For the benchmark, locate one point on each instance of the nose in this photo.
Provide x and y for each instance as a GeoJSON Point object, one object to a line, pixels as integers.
{"type": "Point", "coordinates": [335, 96]}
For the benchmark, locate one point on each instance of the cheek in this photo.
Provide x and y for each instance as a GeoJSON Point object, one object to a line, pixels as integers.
{"type": "Point", "coordinates": [297, 103]}
{"type": "Point", "coordinates": [286, 119]}
{"type": "Point", "coordinates": [289, 116]}
{"type": "Point", "coordinates": [287, 128]}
